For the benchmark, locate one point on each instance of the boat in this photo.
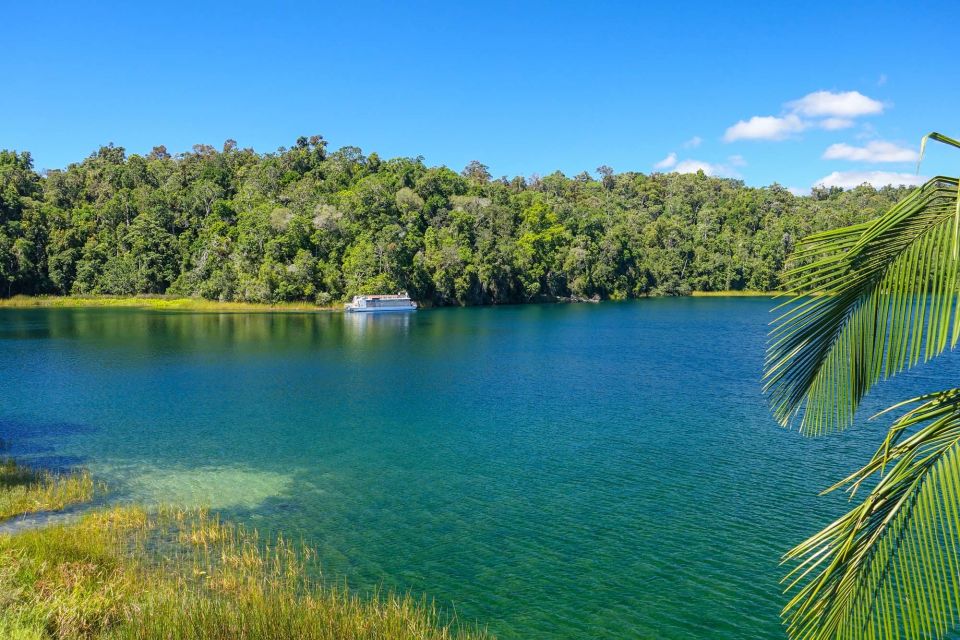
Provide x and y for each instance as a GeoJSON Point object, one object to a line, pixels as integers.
{"type": "Point", "coordinates": [383, 302]}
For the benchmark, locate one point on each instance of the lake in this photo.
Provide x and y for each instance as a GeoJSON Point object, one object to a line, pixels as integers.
{"type": "Point", "coordinates": [551, 471]}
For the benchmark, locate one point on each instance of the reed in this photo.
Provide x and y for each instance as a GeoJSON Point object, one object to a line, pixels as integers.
{"type": "Point", "coordinates": [734, 293]}
{"type": "Point", "coordinates": [25, 490]}
{"type": "Point", "coordinates": [163, 303]}
{"type": "Point", "coordinates": [128, 574]}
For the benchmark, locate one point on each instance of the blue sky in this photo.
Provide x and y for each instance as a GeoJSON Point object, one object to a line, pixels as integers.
{"type": "Point", "coordinates": [823, 92]}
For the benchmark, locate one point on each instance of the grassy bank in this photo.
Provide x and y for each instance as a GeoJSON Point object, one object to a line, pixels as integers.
{"type": "Point", "coordinates": [24, 490]}
{"type": "Point", "coordinates": [734, 294]}
{"type": "Point", "coordinates": [155, 302]}
{"type": "Point", "coordinates": [213, 306]}
{"type": "Point", "coordinates": [130, 574]}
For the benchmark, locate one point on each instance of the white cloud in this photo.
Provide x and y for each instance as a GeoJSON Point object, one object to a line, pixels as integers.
{"type": "Point", "coordinates": [765, 128]}
{"type": "Point", "coordinates": [847, 104]}
{"type": "Point", "coordinates": [820, 109]}
{"type": "Point", "coordinates": [737, 161]}
{"type": "Point", "coordinates": [882, 80]}
{"type": "Point", "coordinates": [693, 142]}
{"type": "Point", "coordinates": [692, 166]}
{"type": "Point", "coordinates": [797, 191]}
{"type": "Point", "coordinates": [832, 124]}
{"type": "Point", "coordinates": [719, 170]}
{"type": "Point", "coordinates": [667, 162]}
{"type": "Point", "coordinates": [850, 179]}
{"type": "Point", "coordinates": [875, 151]}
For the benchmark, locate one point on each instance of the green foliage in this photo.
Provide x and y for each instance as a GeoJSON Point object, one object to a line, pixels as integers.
{"type": "Point", "coordinates": [128, 574]}
{"type": "Point", "coordinates": [867, 302]}
{"type": "Point", "coordinates": [303, 224]}
{"type": "Point", "coordinates": [867, 321]}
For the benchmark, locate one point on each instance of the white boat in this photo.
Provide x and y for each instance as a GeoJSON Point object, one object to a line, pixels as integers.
{"type": "Point", "coordinates": [386, 302]}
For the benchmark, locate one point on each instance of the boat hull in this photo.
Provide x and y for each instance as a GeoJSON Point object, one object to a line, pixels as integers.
{"type": "Point", "coordinates": [397, 310]}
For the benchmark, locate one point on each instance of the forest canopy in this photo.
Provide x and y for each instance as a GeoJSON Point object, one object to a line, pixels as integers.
{"type": "Point", "coordinates": [307, 224]}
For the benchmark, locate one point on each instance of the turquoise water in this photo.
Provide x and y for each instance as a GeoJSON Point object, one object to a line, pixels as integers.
{"type": "Point", "coordinates": [559, 471]}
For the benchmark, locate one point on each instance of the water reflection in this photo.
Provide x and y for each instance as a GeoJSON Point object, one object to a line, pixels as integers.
{"type": "Point", "coordinates": [564, 453]}
{"type": "Point", "coordinates": [361, 325]}
{"type": "Point", "coordinates": [134, 334]}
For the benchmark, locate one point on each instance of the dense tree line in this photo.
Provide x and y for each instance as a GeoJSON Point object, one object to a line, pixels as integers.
{"type": "Point", "coordinates": [307, 224]}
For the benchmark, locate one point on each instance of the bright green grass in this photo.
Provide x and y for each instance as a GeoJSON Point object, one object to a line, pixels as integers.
{"type": "Point", "coordinates": [153, 302]}
{"type": "Point", "coordinates": [166, 303]}
{"type": "Point", "coordinates": [25, 490]}
{"type": "Point", "coordinates": [128, 574]}
{"type": "Point", "coordinates": [731, 293]}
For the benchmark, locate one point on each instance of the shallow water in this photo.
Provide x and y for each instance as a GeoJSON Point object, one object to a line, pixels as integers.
{"type": "Point", "coordinates": [557, 471]}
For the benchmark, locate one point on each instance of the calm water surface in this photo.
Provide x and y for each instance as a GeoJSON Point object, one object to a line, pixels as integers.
{"type": "Point", "coordinates": [559, 471]}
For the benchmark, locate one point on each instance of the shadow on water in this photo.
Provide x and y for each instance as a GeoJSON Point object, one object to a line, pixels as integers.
{"type": "Point", "coordinates": [13, 429]}
{"type": "Point", "coordinates": [36, 442]}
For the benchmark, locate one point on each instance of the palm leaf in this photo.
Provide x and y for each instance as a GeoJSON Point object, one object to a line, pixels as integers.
{"type": "Point", "coordinates": [866, 302]}
{"type": "Point", "coordinates": [890, 567]}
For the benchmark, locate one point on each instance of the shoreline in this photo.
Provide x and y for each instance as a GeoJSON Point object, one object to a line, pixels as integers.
{"type": "Point", "coordinates": [177, 303]}
{"type": "Point", "coordinates": [83, 570]}
{"type": "Point", "coordinates": [159, 303]}
{"type": "Point", "coordinates": [734, 293]}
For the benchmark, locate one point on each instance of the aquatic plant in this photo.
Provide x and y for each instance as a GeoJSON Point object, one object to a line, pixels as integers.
{"type": "Point", "coordinates": [867, 302]}
{"type": "Point", "coordinates": [129, 574]}
{"type": "Point", "coordinates": [25, 490]}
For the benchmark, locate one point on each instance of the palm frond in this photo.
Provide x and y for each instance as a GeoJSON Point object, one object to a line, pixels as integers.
{"type": "Point", "coordinates": [890, 567]}
{"type": "Point", "coordinates": [866, 302]}
{"type": "Point", "coordinates": [939, 137]}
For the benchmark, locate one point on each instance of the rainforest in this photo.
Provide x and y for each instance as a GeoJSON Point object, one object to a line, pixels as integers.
{"type": "Point", "coordinates": [312, 225]}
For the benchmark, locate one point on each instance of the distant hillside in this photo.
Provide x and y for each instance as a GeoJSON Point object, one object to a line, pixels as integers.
{"type": "Point", "coordinates": [305, 224]}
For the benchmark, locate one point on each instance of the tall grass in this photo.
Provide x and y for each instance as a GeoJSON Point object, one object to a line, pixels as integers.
{"type": "Point", "coordinates": [129, 574]}
{"type": "Point", "coordinates": [164, 303]}
{"type": "Point", "coordinates": [124, 573]}
{"type": "Point", "coordinates": [25, 490]}
{"type": "Point", "coordinates": [734, 293]}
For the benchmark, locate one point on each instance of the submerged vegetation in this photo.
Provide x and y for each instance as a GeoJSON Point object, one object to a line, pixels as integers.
{"type": "Point", "coordinates": [125, 573]}
{"type": "Point", "coordinates": [303, 224]}
{"type": "Point", "coordinates": [129, 574]}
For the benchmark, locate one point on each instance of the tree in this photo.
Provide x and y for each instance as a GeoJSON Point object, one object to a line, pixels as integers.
{"type": "Point", "coordinates": [151, 248]}
{"type": "Point", "coordinates": [869, 301]}
{"type": "Point", "coordinates": [159, 152]}
{"type": "Point", "coordinates": [608, 180]}
{"type": "Point", "coordinates": [540, 237]}
{"type": "Point", "coordinates": [476, 171]}
{"type": "Point", "coordinates": [8, 273]}
{"type": "Point", "coordinates": [300, 223]}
